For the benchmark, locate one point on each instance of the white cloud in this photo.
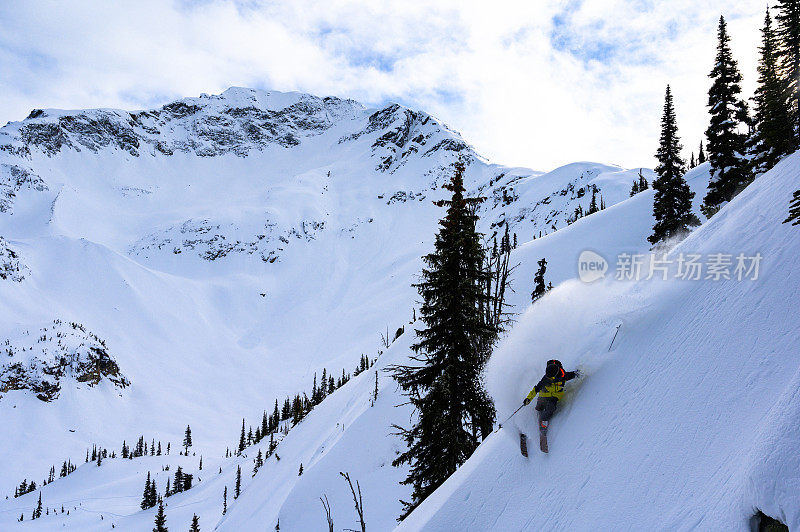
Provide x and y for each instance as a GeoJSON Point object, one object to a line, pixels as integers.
{"type": "Point", "coordinates": [528, 83]}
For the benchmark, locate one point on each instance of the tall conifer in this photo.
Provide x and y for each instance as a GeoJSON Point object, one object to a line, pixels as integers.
{"type": "Point", "coordinates": [187, 439]}
{"type": "Point", "coordinates": [726, 144]}
{"type": "Point", "coordinates": [672, 201]}
{"type": "Point", "coordinates": [788, 33]}
{"type": "Point", "coordinates": [773, 135]}
{"type": "Point", "coordinates": [161, 519]}
{"type": "Point", "coordinates": [446, 388]}
{"type": "Point", "coordinates": [539, 287]}
{"type": "Point", "coordinates": [794, 210]}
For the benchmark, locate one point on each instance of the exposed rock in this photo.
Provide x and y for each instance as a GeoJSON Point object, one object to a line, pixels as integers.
{"type": "Point", "coordinates": [11, 269]}
{"type": "Point", "coordinates": [213, 241]}
{"type": "Point", "coordinates": [13, 178]}
{"type": "Point", "coordinates": [236, 121]}
{"type": "Point", "coordinates": [61, 352]}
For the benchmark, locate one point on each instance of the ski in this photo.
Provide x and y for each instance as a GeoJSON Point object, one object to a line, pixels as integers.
{"type": "Point", "coordinates": [543, 437]}
{"type": "Point", "coordinates": [523, 444]}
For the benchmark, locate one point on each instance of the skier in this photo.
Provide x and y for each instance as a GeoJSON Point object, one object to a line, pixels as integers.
{"type": "Point", "coordinates": [550, 389]}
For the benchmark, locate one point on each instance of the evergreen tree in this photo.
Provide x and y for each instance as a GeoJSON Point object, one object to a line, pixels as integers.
{"type": "Point", "coordinates": [323, 385]}
{"type": "Point", "coordinates": [643, 184]}
{"type": "Point", "coordinates": [237, 489]}
{"type": "Point", "coordinates": [794, 210]}
{"type": "Point", "coordinates": [37, 513]}
{"type": "Point", "coordinates": [153, 497]}
{"type": "Point", "coordinates": [446, 389]}
{"type": "Point", "coordinates": [145, 504]}
{"type": "Point", "coordinates": [593, 204]}
{"type": "Point", "coordinates": [701, 157]}
{"type": "Point", "coordinates": [177, 485]}
{"type": "Point", "coordinates": [195, 524]}
{"type": "Point", "coordinates": [672, 203]}
{"type": "Point", "coordinates": [726, 144]}
{"type": "Point", "coordinates": [187, 481]}
{"type": "Point", "coordinates": [187, 439]}
{"type": "Point", "coordinates": [242, 438]}
{"type": "Point", "coordinates": [539, 287]}
{"type": "Point", "coordinates": [225, 501]}
{"type": "Point", "coordinates": [258, 463]}
{"type": "Point", "coordinates": [300, 472]}
{"type": "Point", "coordinates": [788, 33]}
{"type": "Point", "coordinates": [161, 519]}
{"type": "Point", "coordinates": [773, 135]}
{"type": "Point", "coordinates": [315, 395]}
{"type": "Point", "coordinates": [692, 164]}
{"type": "Point", "coordinates": [634, 191]}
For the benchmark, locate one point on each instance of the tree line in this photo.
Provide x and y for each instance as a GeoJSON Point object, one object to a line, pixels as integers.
{"type": "Point", "coordinates": [740, 144]}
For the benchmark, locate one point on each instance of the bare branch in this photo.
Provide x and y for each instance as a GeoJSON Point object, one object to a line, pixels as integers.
{"type": "Point", "coordinates": [357, 500]}
{"type": "Point", "coordinates": [327, 506]}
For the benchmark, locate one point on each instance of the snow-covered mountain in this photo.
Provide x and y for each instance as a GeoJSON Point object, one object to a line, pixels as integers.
{"type": "Point", "coordinates": [222, 250]}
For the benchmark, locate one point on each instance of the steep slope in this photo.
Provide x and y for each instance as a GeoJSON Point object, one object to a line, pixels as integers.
{"type": "Point", "coordinates": [224, 248]}
{"type": "Point", "coordinates": [689, 422]}
{"type": "Point", "coordinates": [358, 439]}
{"type": "Point", "coordinates": [348, 432]}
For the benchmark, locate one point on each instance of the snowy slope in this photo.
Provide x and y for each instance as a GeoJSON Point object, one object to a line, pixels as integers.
{"type": "Point", "coordinates": [690, 422]}
{"type": "Point", "coordinates": [226, 248]}
{"type": "Point", "coordinates": [367, 449]}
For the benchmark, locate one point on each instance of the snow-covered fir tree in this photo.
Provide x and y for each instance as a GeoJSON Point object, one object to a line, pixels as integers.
{"type": "Point", "coordinates": [794, 210]}
{"type": "Point", "coordinates": [242, 438]}
{"type": "Point", "coordinates": [237, 488]}
{"type": "Point", "coordinates": [726, 143]}
{"type": "Point", "coordinates": [539, 287]}
{"type": "Point", "coordinates": [161, 519]}
{"type": "Point", "coordinates": [672, 202]}
{"type": "Point", "coordinates": [187, 439]}
{"type": "Point", "coordinates": [446, 389]}
{"type": "Point", "coordinates": [788, 33]}
{"type": "Point", "coordinates": [773, 136]}
{"type": "Point", "coordinates": [593, 203]}
{"type": "Point", "coordinates": [149, 495]}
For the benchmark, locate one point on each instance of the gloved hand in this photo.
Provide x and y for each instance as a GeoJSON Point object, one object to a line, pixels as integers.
{"type": "Point", "coordinates": [578, 374]}
{"type": "Point", "coordinates": [526, 402]}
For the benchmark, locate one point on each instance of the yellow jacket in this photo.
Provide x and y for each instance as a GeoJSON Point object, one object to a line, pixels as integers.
{"type": "Point", "coordinates": [554, 387]}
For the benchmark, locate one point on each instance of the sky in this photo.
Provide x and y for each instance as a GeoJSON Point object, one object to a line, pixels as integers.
{"type": "Point", "coordinates": [536, 83]}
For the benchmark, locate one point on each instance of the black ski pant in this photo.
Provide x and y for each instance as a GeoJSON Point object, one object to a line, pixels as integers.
{"type": "Point", "coordinates": [546, 406]}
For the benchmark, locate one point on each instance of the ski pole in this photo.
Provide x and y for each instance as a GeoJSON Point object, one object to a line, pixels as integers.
{"type": "Point", "coordinates": [615, 337]}
{"type": "Point", "coordinates": [500, 426]}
